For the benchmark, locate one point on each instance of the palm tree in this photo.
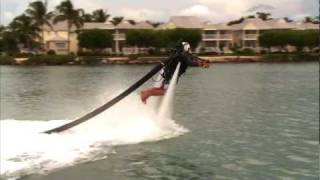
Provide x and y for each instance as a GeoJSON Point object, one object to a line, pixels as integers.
{"type": "Point", "coordinates": [154, 24]}
{"type": "Point", "coordinates": [308, 19]}
{"type": "Point", "coordinates": [66, 12]}
{"type": "Point", "coordinates": [132, 22]}
{"type": "Point", "coordinates": [263, 16]}
{"type": "Point", "coordinates": [287, 19]}
{"type": "Point", "coordinates": [116, 20]}
{"type": "Point", "coordinates": [100, 15]}
{"type": "Point", "coordinates": [25, 29]}
{"type": "Point", "coordinates": [87, 17]}
{"type": "Point", "coordinates": [38, 12]}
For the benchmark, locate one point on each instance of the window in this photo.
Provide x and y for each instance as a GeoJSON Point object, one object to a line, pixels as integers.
{"type": "Point", "coordinates": [60, 45]}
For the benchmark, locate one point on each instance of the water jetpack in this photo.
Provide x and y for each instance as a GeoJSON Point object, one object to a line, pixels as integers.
{"type": "Point", "coordinates": [175, 53]}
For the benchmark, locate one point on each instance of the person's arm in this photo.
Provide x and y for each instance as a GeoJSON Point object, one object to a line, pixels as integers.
{"type": "Point", "coordinates": [200, 62]}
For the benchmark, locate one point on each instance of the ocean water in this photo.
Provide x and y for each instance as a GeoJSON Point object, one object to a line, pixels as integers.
{"type": "Point", "coordinates": [232, 121]}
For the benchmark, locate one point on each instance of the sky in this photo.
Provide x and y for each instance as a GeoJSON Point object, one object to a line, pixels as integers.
{"type": "Point", "coordinates": [217, 11]}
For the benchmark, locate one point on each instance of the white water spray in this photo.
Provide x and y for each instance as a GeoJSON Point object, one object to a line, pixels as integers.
{"type": "Point", "coordinates": [26, 151]}
{"type": "Point", "coordinates": [164, 115]}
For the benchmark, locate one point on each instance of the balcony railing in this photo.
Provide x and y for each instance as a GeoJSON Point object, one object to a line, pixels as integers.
{"type": "Point", "coordinates": [251, 36]}
{"type": "Point", "coordinates": [216, 36]}
{"type": "Point", "coordinates": [225, 36]}
{"type": "Point", "coordinates": [121, 36]}
{"type": "Point", "coordinates": [209, 36]}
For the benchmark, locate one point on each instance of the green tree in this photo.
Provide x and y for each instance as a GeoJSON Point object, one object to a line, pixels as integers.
{"type": "Point", "coordinates": [26, 30]}
{"type": "Point", "coordinates": [250, 17]}
{"type": "Point", "coordinates": [87, 17]}
{"type": "Point", "coordinates": [8, 42]}
{"type": "Point", "coordinates": [66, 12]}
{"type": "Point", "coordinates": [287, 19]}
{"type": "Point", "coordinates": [308, 19]}
{"type": "Point", "coordinates": [297, 38]}
{"type": "Point", "coordinates": [162, 38]}
{"type": "Point", "coordinates": [132, 22]}
{"type": "Point", "coordinates": [311, 38]}
{"type": "Point", "coordinates": [264, 16]}
{"type": "Point", "coordinates": [38, 12]}
{"type": "Point", "coordinates": [154, 24]}
{"type": "Point", "coordinates": [100, 15]}
{"type": "Point", "coordinates": [192, 36]}
{"type": "Point", "coordinates": [141, 38]}
{"type": "Point", "coordinates": [236, 21]}
{"type": "Point", "coordinates": [95, 39]}
{"type": "Point", "coordinates": [116, 20]}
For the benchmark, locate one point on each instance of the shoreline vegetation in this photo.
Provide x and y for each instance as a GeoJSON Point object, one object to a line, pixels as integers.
{"type": "Point", "coordinates": [39, 60]}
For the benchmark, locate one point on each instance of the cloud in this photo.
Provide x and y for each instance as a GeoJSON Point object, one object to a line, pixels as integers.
{"type": "Point", "coordinates": [197, 10]}
{"type": "Point", "coordinates": [261, 7]}
{"type": "Point", "coordinates": [143, 14]}
{"type": "Point", "coordinates": [219, 11]}
{"type": "Point", "coordinates": [215, 10]}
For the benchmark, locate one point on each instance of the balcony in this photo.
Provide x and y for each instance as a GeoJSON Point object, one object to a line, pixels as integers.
{"type": "Point", "coordinates": [209, 36]}
{"type": "Point", "coordinates": [225, 36]}
{"type": "Point", "coordinates": [119, 37]}
{"type": "Point", "coordinates": [217, 36]}
{"type": "Point", "coordinates": [251, 36]}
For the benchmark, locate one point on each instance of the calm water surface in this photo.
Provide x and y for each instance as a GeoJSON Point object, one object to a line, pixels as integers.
{"type": "Point", "coordinates": [246, 121]}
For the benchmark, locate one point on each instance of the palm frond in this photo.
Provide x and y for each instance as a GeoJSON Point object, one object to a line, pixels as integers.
{"type": "Point", "coordinates": [59, 18]}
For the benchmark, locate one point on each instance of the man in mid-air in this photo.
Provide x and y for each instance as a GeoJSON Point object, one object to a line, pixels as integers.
{"type": "Point", "coordinates": [186, 59]}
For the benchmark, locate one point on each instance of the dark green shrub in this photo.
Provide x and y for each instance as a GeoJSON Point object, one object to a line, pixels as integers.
{"type": "Point", "coordinates": [50, 60]}
{"type": "Point", "coordinates": [246, 51]}
{"type": "Point", "coordinates": [263, 52]}
{"type": "Point", "coordinates": [90, 60]}
{"type": "Point", "coordinates": [291, 57]}
{"type": "Point", "coordinates": [156, 52]}
{"type": "Point", "coordinates": [51, 52]}
{"type": "Point", "coordinates": [7, 60]}
{"type": "Point", "coordinates": [133, 56]}
{"type": "Point", "coordinates": [22, 55]}
{"type": "Point", "coordinates": [208, 54]}
{"type": "Point", "coordinates": [90, 53]}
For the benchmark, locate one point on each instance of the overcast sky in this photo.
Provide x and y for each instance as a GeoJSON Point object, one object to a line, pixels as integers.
{"type": "Point", "coordinates": [160, 10]}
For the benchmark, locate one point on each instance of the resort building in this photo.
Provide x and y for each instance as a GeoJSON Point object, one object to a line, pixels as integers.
{"type": "Point", "coordinates": [216, 38]}
{"type": "Point", "coordinates": [59, 39]}
{"type": "Point", "coordinates": [187, 22]}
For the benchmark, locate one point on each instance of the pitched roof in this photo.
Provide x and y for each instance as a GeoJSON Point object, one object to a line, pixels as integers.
{"type": "Point", "coordinates": [279, 24]}
{"type": "Point", "coordinates": [143, 25]}
{"type": "Point", "coordinates": [304, 25]}
{"type": "Point", "coordinates": [217, 27]}
{"type": "Point", "coordinates": [60, 26]}
{"type": "Point", "coordinates": [251, 24]}
{"type": "Point", "coordinates": [191, 22]}
{"type": "Point", "coordinates": [124, 25]}
{"type": "Point", "coordinates": [97, 25]}
{"type": "Point", "coordinates": [168, 25]}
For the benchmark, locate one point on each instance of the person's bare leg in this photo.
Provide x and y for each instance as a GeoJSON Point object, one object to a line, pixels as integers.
{"type": "Point", "coordinates": [152, 92]}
